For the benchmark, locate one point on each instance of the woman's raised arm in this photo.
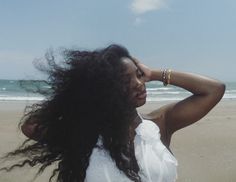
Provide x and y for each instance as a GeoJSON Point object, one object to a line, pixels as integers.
{"type": "Point", "coordinates": [28, 128]}
{"type": "Point", "coordinates": [206, 93]}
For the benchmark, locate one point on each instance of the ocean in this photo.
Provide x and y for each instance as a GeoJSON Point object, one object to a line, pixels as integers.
{"type": "Point", "coordinates": [15, 90]}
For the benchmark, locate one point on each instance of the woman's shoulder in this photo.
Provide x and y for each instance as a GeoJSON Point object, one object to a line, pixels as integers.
{"type": "Point", "coordinates": [157, 116]}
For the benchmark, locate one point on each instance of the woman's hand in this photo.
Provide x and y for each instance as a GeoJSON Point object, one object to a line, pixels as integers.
{"type": "Point", "coordinates": [146, 70]}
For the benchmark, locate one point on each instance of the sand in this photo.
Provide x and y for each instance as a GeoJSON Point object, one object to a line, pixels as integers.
{"type": "Point", "coordinates": [206, 150]}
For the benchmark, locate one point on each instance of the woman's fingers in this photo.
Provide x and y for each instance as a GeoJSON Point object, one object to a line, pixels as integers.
{"type": "Point", "coordinates": [146, 70]}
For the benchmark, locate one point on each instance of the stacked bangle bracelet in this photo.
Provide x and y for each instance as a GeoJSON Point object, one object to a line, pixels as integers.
{"type": "Point", "coordinates": [166, 76]}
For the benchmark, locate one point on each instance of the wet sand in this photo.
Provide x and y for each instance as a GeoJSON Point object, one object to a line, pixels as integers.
{"type": "Point", "coordinates": [206, 150]}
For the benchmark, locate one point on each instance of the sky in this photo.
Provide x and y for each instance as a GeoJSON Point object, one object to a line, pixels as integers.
{"type": "Point", "coordinates": [184, 35]}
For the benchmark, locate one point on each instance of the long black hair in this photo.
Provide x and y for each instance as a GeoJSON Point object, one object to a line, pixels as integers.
{"type": "Point", "coordinates": [89, 97]}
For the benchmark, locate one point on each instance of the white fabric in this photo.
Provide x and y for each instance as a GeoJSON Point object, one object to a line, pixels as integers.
{"type": "Point", "coordinates": [155, 161]}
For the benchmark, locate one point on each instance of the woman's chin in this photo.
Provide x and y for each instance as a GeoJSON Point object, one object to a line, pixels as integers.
{"type": "Point", "coordinates": [140, 102]}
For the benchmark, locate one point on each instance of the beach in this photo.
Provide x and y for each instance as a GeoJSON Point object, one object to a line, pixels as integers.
{"type": "Point", "coordinates": [205, 150]}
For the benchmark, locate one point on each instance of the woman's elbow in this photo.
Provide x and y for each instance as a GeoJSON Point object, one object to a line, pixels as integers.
{"type": "Point", "coordinates": [219, 91]}
{"type": "Point", "coordinates": [28, 129]}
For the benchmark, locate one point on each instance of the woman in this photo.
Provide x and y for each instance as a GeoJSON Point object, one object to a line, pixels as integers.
{"type": "Point", "coordinates": [90, 126]}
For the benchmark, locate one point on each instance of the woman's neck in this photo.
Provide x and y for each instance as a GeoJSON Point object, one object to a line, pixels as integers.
{"type": "Point", "coordinates": [136, 121]}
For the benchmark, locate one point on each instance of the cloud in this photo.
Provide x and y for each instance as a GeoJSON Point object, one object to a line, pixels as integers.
{"type": "Point", "coordinates": [143, 6]}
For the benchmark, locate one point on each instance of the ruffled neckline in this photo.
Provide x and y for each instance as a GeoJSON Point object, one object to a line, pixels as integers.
{"type": "Point", "coordinates": [147, 129]}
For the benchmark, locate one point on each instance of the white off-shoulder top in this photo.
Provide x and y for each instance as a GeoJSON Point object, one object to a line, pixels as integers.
{"type": "Point", "coordinates": [155, 161]}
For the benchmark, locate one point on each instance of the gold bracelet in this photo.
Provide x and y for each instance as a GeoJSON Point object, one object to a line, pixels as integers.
{"type": "Point", "coordinates": [169, 76]}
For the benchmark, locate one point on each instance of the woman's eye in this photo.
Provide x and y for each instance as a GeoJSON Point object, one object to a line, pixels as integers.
{"type": "Point", "coordinates": [140, 74]}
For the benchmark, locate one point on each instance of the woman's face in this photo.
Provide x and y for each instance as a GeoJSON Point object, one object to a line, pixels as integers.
{"type": "Point", "coordinates": [137, 86]}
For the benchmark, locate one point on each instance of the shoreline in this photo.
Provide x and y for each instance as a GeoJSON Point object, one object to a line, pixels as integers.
{"type": "Point", "coordinates": [205, 150]}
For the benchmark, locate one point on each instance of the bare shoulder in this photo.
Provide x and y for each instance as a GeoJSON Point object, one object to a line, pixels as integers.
{"type": "Point", "coordinates": [158, 116]}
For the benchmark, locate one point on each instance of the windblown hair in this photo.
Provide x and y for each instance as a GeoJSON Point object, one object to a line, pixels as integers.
{"type": "Point", "coordinates": [89, 97]}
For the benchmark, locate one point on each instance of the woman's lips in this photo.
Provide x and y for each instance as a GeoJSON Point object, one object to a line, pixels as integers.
{"type": "Point", "coordinates": [142, 95]}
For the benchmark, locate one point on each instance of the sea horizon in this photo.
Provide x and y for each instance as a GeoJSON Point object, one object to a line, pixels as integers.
{"type": "Point", "coordinates": [24, 90]}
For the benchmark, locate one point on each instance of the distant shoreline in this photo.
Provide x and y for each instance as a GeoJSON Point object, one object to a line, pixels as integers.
{"type": "Point", "coordinates": [15, 90]}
